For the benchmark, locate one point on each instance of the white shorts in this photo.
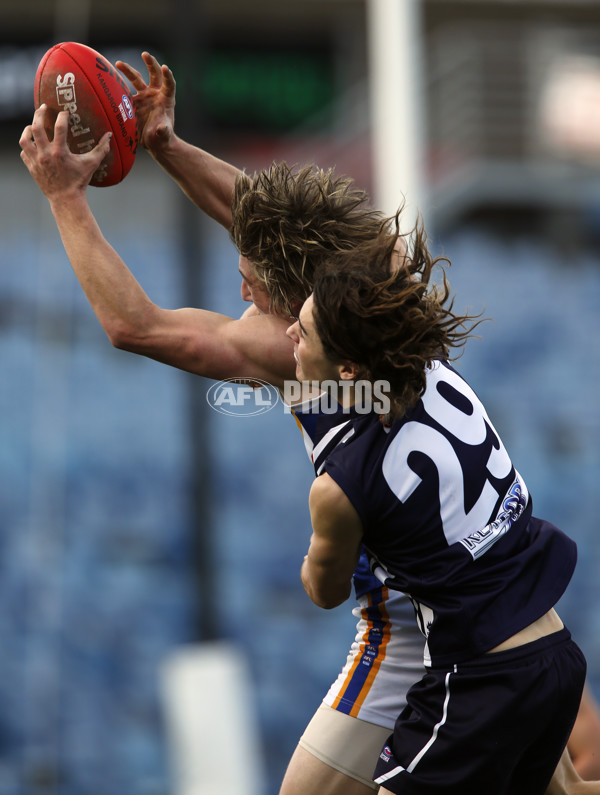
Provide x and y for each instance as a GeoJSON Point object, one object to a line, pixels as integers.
{"type": "Point", "coordinates": [385, 659]}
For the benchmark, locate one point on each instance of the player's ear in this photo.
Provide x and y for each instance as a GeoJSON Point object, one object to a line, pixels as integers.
{"type": "Point", "coordinates": [348, 371]}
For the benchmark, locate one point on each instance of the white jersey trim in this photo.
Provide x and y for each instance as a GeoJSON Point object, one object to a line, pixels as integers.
{"type": "Point", "coordinates": [399, 769]}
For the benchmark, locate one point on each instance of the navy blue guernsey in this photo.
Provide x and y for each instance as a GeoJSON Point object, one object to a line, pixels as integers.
{"type": "Point", "coordinates": [447, 520]}
{"type": "Point", "coordinates": [323, 427]}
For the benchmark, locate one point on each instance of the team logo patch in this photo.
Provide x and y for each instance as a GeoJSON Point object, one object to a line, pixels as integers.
{"type": "Point", "coordinates": [386, 754]}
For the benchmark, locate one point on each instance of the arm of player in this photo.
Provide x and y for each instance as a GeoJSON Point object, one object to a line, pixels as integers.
{"type": "Point", "coordinates": [566, 780]}
{"type": "Point", "coordinates": [334, 545]}
{"type": "Point", "coordinates": [205, 179]}
{"type": "Point", "coordinates": [202, 342]}
{"type": "Point", "coordinates": [584, 742]}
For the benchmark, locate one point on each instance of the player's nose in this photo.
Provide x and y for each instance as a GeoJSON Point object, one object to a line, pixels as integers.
{"type": "Point", "coordinates": [245, 291]}
{"type": "Point", "coordinates": [292, 331]}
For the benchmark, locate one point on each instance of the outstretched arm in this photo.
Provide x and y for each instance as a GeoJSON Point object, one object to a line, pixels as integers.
{"type": "Point", "coordinates": [205, 179]}
{"type": "Point", "coordinates": [202, 342]}
{"type": "Point", "coordinates": [334, 545]}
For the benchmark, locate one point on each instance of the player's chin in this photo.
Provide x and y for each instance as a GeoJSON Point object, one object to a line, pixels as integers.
{"type": "Point", "coordinates": [300, 376]}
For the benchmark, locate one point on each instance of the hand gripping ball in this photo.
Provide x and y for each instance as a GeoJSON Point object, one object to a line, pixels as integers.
{"type": "Point", "coordinates": [74, 77]}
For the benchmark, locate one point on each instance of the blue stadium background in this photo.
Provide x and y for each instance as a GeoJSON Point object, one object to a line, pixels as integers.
{"type": "Point", "coordinates": [96, 549]}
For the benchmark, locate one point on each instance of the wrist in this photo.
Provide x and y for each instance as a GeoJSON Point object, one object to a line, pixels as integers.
{"type": "Point", "coordinates": [72, 203]}
{"type": "Point", "coordinates": [168, 149]}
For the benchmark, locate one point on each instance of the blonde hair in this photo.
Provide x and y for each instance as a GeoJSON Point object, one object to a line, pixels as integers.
{"type": "Point", "coordinates": [287, 222]}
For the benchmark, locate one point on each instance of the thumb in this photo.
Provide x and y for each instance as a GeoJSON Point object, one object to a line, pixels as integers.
{"type": "Point", "coordinates": [95, 156]}
{"type": "Point", "coordinates": [100, 151]}
{"type": "Point", "coordinates": [102, 148]}
{"type": "Point", "coordinates": [103, 145]}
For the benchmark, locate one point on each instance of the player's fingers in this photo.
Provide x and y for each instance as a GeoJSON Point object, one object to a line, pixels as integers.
{"type": "Point", "coordinates": [38, 132]}
{"type": "Point", "coordinates": [26, 141]}
{"type": "Point", "coordinates": [154, 69]}
{"type": "Point", "coordinates": [168, 81]}
{"type": "Point", "coordinates": [26, 159]}
{"type": "Point", "coordinates": [38, 116]}
{"type": "Point", "coordinates": [134, 77]}
{"type": "Point", "coordinates": [61, 128]}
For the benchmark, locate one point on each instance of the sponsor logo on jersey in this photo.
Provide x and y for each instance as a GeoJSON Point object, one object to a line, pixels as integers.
{"type": "Point", "coordinates": [511, 509]}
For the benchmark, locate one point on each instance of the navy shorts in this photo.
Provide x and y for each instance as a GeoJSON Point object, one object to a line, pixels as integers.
{"type": "Point", "coordinates": [496, 725]}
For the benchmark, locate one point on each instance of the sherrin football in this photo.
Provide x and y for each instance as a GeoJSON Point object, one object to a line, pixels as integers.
{"type": "Point", "coordinates": [74, 77]}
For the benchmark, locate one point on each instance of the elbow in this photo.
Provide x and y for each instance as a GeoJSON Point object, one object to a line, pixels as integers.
{"type": "Point", "coordinates": [129, 335]}
{"type": "Point", "coordinates": [122, 337]}
{"type": "Point", "coordinates": [329, 603]}
{"type": "Point", "coordinates": [132, 328]}
{"type": "Point", "coordinates": [325, 589]}
{"type": "Point", "coordinates": [330, 598]}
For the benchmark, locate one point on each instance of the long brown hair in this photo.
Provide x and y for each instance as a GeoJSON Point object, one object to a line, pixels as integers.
{"type": "Point", "coordinates": [377, 308]}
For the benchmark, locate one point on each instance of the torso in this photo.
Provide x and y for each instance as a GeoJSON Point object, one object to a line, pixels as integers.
{"type": "Point", "coordinates": [447, 519]}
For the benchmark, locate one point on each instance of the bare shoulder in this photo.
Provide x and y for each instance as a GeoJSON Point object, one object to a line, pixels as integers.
{"type": "Point", "coordinates": [262, 346]}
{"type": "Point", "coordinates": [217, 346]}
{"type": "Point", "coordinates": [330, 506]}
{"type": "Point", "coordinates": [325, 491]}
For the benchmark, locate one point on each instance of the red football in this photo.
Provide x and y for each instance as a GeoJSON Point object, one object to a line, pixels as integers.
{"type": "Point", "coordinates": [76, 78]}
